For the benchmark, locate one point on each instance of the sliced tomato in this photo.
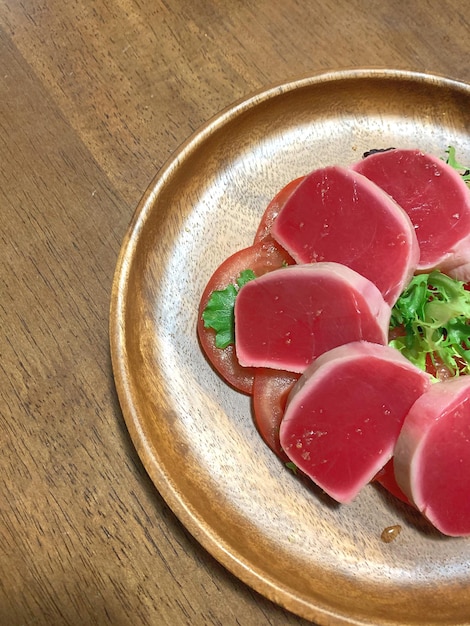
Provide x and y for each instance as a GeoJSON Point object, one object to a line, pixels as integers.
{"type": "Point", "coordinates": [386, 478]}
{"type": "Point", "coordinates": [264, 256]}
{"type": "Point", "coordinates": [273, 208]}
{"type": "Point", "coordinates": [270, 391]}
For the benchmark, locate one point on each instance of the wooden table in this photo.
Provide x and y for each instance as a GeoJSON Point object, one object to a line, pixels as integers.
{"type": "Point", "coordinates": [95, 96]}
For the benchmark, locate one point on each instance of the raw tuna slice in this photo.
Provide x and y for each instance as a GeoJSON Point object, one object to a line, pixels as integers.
{"type": "Point", "coordinates": [288, 317]}
{"type": "Point", "coordinates": [434, 196]}
{"type": "Point", "coordinates": [336, 214]}
{"type": "Point", "coordinates": [345, 413]}
{"type": "Point", "coordinates": [432, 456]}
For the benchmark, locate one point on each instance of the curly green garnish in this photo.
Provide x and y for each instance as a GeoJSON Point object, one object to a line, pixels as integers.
{"type": "Point", "coordinates": [431, 317]}
{"type": "Point", "coordinates": [451, 160]}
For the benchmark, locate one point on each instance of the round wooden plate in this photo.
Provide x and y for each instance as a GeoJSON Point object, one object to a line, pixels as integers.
{"type": "Point", "coordinates": [195, 435]}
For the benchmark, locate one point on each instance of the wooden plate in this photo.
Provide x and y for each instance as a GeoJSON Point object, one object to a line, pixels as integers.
{"type": "Point", "coordinates": [194, 435]}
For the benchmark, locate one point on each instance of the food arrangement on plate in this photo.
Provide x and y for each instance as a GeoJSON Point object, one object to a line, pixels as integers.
{"type": "Point", "coordinates": [346, 321]}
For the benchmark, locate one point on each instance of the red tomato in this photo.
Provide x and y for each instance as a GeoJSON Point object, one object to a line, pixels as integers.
{"type": "Point", "coordinates": [386, 478]}
{"type": "Point", "coordinates": [270, 391]}
{"type": "Point", "coordinates": [264, 256]}
{"type": "Point", "coordinates": [273, 208]}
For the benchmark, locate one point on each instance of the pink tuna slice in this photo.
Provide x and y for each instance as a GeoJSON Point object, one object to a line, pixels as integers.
{"type": "Point", "coordinates": [338, 215]}
{"type": "Point", "coordinates": [345, 413]}
{"type": "Point", "coordinates": [432, 456]}
{"type": "Point", "coordinates": [288, 317]}
{"type": "Point", "coordinates": [435, 197]}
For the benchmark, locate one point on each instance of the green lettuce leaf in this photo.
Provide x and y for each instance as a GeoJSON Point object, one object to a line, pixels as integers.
{"type": "Point", "coordinates": [219, 311]}
{"type": "Point", "coordinates": [452, 161]}
{"type": "Point", "coordinates": [432, 316]}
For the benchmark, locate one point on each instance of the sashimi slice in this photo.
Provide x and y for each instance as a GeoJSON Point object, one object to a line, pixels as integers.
{"type": "Point", "coordinates": [344, 415]}
{"type": "Point", "coordinates": [288, 317]}
{"type": "Point", "coordinates": [432, 456]}
{"type": "Point", "coordinates": [436, 199]}
{"type": "Point", "coordinates": [336, 214]}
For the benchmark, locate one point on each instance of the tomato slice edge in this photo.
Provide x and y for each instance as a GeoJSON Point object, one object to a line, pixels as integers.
{"type": "Point", "coordinates": [270, 391]}
{"type": "Point", "coordinates": [273, 208]}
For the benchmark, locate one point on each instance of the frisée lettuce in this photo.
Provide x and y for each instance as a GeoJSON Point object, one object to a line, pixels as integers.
{"type": "Point", "coordinates": [429, 323]}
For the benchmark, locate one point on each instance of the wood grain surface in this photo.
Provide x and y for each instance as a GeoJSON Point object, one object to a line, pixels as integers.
{"type": "Point", "coordinates": [95, 97]}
